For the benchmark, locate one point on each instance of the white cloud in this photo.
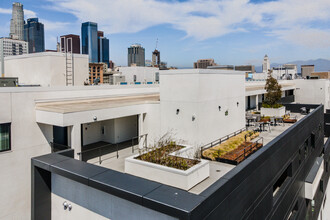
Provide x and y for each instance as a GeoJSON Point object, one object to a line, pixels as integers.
{"type": "Point", "coordinates": [203, 19]}
{"type": "Point", "coordinates": [29, 14]}
{"type": "Point", "coordinates": [5, 11]}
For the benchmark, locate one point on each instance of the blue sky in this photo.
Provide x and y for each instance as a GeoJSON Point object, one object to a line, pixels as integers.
{"type": "Point", "coordinates": [229, 31]}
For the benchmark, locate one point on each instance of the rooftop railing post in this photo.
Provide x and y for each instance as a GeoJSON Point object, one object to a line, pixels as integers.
{"type": "Point", "coordinates": [100, 155]}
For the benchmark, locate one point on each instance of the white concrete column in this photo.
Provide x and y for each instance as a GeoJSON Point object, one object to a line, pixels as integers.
{"type": "Point", "coordinates": [76, 140]}
{"type": "Point", "coordinates": [141, 143]}
{"type": "Point", "coordinates": [257, 101]}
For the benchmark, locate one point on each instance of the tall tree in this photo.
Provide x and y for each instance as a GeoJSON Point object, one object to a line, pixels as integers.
{"type": "Point", "coordinates": [274, 92]}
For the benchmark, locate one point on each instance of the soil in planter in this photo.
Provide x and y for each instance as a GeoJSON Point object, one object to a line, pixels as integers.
{"type": "Point", "coordinates": [161, 156]}
{"type": "Point", "coordinates": [238, 155]}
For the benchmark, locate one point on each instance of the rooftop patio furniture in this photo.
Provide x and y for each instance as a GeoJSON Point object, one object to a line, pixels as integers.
{"type": "Point", "coordinates": [303, 110]}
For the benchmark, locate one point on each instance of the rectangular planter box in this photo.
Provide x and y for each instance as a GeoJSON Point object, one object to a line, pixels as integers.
{"type": "Point", "coordinates": [183, 179]}
{"type": "Point", "coordinates": [278, 112]}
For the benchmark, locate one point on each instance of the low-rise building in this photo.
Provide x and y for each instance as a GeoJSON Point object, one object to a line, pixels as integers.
{"type": "Point", "coordinates": [96, 72]}
{"type": "Point", "coordinates": [13, 47]}
{"type": "Point", "coordinates": [47, 69]}
{"type": "Point", "coordinates": [306, 70]}
{"type": "Point", "coordinates": [204, 63]}
{"type": "Point", "coordinates": [321, 75]}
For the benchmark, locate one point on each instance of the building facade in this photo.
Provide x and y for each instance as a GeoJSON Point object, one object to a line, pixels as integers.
{"type": "Point", "coordinates": [136, 55]}
{"type": "Point", "coordinates": [204, 63]}
{"type": "Point", "coordinates": [34, 35]}
{"type": "Point", "coordinates": [17, 22]}
{"type": "Point", "coordinates": [67, 40]}
{"type": "Point", "coordinates": [13, 47]}
{"type": "Point", "coordinates": [306, 70]}
{"type": "Point", "coordinates": [89, 42]}
{"type": "Point", "coordinates": [46, 69]}
{"type": "Point", "coordinates": [246, 68]}
{"type": "Point", "coordinates": [266, 64]}
{"type": "Point", "coordinates": [97, 72]}
{"type": "Point", "coordinates": [156, 58]}
{"type": "Point", "coordinates": [103, 48]}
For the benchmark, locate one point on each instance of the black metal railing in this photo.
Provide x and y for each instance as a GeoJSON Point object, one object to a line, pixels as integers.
{"type": "Point", "coordinates": [220, 140]}
{"type": "Point", "coordinates": [136, 141]}
{"type": "Point", "coordinates": [58, 147]}
{"type": "Point", "coordinates": [99, 152]}
{"type": "Point", "coordinates": [287, 99]}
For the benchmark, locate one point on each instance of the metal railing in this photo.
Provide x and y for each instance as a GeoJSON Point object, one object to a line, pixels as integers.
{"type": "Point", "coordinates": [220, 140]}
{"type": "Point", "coordinates": [58, 147]}
{"type": "Point", "coordinates": [248, 149]}
{"type": "Point", "coordinates": [99, 152]}
{"type": "Point", "coordinates": [138, 138]}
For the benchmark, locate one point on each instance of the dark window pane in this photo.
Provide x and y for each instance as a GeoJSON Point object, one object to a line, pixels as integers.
{"type": "Point", "coordinates": [4, 137]}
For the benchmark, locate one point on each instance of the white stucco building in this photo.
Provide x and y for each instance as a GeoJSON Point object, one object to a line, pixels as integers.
{"type": "Point", "coordinates": [46, 69]}
{"type": "Point", "coordinates": [196, 106]}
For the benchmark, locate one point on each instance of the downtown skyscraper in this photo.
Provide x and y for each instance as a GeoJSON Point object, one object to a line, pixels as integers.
{"type": "Point", "coordinates": [34, 35]}
{"type": "Point", "coordinates": [136, 55]}
{"type": "Point", "coordinates": [17, 22]}
{"type": "Point", "coordinates": [89, 41]}
{"type": "Point", "coordinates": [103, 48]}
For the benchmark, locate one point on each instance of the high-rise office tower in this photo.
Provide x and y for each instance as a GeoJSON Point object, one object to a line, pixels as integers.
{"type": "Point", "coordinates": [70, 39]}
{"type": "Point", "coordinates": [103, 48]}
{"type": "Point", "coordinates": [89, 42]}
{"type": "Point", "coordinates": [156, 58]}
{"type": "Point", "coordinates": [266, 64]}
{"type": "Point", "coordinates": [17, 22]}
{"type": "Point", "coordinates": [34, 34]}
{"type": "Point", "coordinates": [136, 55]}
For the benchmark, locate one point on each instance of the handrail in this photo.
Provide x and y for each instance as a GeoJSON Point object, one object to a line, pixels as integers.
{"type": "Point", "coordinates": [220, 140]}
{"type": "Point", "coordinates": [100, 151]}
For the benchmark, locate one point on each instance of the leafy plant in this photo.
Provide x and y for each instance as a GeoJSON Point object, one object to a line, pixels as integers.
{"type": "Point", "coordinates": [273, 94]}
{"type": "Point", "coordinates": [159, 154]}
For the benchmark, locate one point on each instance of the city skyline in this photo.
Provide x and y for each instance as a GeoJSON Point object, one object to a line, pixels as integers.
{"type": "Point", "coordinates": [230, 32]}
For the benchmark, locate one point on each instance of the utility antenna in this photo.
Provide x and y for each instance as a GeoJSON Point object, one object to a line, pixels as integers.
{"type": "Point", "coordinates": [156, 44]}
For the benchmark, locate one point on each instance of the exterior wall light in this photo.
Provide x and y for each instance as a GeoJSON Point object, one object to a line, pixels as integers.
{"type": "Point", "coordinates": [193, 118]}
{"type": "Point", "coordinates": [237, 104]}
{"type": "Point", "coordinates": [65, 205]}
{"type": "Point", "coordinates": [219, 108]}
{"type": "Point", "coordinates": [177, 111]}
{"type": "Point", "coordinates": [95, 118]}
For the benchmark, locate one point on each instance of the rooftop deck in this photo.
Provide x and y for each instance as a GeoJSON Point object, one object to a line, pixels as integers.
{"type": "Point", "coordinates": [217, 169]}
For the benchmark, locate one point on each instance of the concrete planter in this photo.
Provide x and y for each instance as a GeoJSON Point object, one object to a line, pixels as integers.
{"type": "Point", "coordinates": [183, 179]}
{"type": "Point", "coordinates": [278, 112]}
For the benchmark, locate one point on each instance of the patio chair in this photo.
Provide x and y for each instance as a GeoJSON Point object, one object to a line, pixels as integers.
{"type": "Point", "coordinates": [267, 125]}
{"type": "Point", "coordinates": [303, 111]}
{"type": "Point", "coordinates": [272, 121]}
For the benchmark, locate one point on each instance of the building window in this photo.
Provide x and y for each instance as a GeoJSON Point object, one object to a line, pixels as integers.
{"type": "Point", "coordinates": [5, 142]}
{"type": "Point", "coordinates": [313, 140]}
{"type": "Point", "coordinates": [306, 149]}
{"type": "Point", "coordinates": [321, 186]}
{"type": "Point", "coordinates": [281, 180]}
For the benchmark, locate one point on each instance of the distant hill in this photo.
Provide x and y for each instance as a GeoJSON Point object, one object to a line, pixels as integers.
{"type": "Point", "coordinates": [320, 65]}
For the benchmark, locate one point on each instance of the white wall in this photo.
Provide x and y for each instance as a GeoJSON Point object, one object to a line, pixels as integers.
{"type": "Point", "coordinates": [125, 128]}
{"type": "Point", "coordinates": [313, 92]}
{"type": "Point", "coordinates": [199, 93]}
{"type": "Point", "coordinates": [115, 130]}
{"type": "Point", "coordinates": [46, 69]}
{"type": "Point", "coordinates": [90, 203]}
{"type": "Point", "coordinates": [31, 139]}
{"type": "Point", "coordinates": [143, 74]}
